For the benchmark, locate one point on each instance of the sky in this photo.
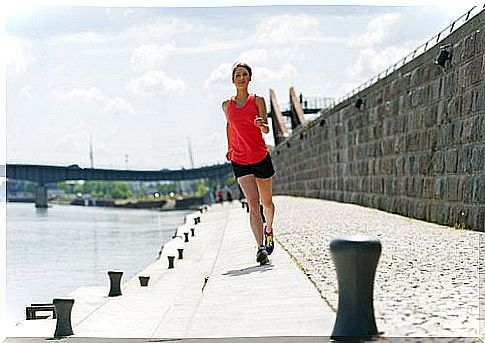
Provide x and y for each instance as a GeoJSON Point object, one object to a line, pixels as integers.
{"type": "Point", "coordinates": [140, 85]}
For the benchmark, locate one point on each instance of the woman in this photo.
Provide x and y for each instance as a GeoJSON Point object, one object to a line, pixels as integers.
{"type": "Point", "coordinates": [246, 121]}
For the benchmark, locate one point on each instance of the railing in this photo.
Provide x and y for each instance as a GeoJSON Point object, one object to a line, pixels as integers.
{"type": "Point", "coordinates": [416, 52]}
{"type": "Point", "coordinates": [310, 103]}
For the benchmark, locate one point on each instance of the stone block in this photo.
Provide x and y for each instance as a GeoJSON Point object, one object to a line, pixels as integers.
{"type": "Point", "coordinates": [479, 189]}
{"type": "Point", "coordinates": [438, 162]}
{"type": "Point", "coordinates": [478, 158]}
{"type": "Point", "coordinates": [465, 160]}
{"type": "Point", "coordinates": [452, 188]}
{"type": "Point", "coordinates": [465, 189]}
{"type": "Point", "coordinates": [439, 188]}
{"type": "Point", "coordinates": [451, 159]}
{"type": "Point", "coordinates": [469, 45]}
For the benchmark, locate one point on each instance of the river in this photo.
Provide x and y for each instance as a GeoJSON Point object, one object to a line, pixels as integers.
{"type": "Point", "coordinates": [52, 252]}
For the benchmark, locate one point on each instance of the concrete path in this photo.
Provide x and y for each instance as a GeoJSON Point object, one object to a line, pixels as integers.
{"type": "Point", "coordinates": [427, 283]}
{"type": "Point", "coordinates": [428, 277]}
{"type": "Point", "coordinates": [240, 298]}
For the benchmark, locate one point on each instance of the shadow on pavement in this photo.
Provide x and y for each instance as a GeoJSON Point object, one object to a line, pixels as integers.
{"type": "Point", "coordinates": [249, 270]}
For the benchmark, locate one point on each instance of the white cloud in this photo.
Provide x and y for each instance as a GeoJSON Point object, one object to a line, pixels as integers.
{"type": "Point", "coordinates": [285, 72]}
{"type": "Point", "coordinates": [151, 56]}
{"type": "Point", "coordinates": [219, 76]}
{"type": "Point", "coordinates": [222, 74]}
{"type": "Point", "coordinates": [254, 56]}
{"type": "Point", "coordinates": [118, 106]}
{"type": "Point", "coordinates": [159, 31]}
{"type": "Point", "coordinates": [156, 82]}
{"type": "Point", "coordinates": [370, 62]}
{"type": "Point", "coordinates": [88, 37]}
{"type": "Point", "coordinates": [285, 29]}
{"type": "Point", "coordinates": [78, 94]}
{"type": "Point", "coordinates": [27, 91]}
{"type": "Point", "coordinates": [377, 31]}
{"type": "Point", "coordinates": [154, 32]}
{"type": "Point", "coordinates": [18, 53]}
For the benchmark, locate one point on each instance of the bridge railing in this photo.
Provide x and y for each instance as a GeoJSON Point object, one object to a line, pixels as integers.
{"type": "Point", "coordinates": [310, 103]}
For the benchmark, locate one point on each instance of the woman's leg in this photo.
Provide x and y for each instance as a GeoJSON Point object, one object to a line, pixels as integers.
{"type": "Point", "coordinates": [250, 189]}
{"type": "Point", "coordinates": [265, 190]}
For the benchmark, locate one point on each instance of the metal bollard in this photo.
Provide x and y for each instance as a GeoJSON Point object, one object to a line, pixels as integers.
{"type": "Point", "coordinates": [144, 280]}
{"type": "Point", "coordinates": [115, 283]}
{"type": "Point", "coordinates": [192, 230]}
{"type": "Point", "coordinates": [355, 258]}
{"type": "Point", "coordinates": [181, 254]}
{"type": "Point", "coordinates": [63, 309]}
{"type": "Point", "coordinates": [170, 261]}
{"type": "Point", "coordinates": [186, 234]}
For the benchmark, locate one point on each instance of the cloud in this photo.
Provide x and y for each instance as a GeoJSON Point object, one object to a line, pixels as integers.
{"type": "Point", "coordinates": [370, 62]}
{"type": "Point", "coordinates": [151, 56]}
{"type": "Point", "coordinates": [285, 72]}
{"type": "Point", "coordinates": [167, 28]}
{"type": "Point", "coordinates": [156, 82]}
{"type": "Point", "coordinates": [219, 76]}
{"type": "Point", "coordinates": [222, 74]}
{"type": "Point", "coordinates": [118, 106]}
{"type": "Point", "coordinates": [78, 94]}
{"type": "Point", "coordinates": [88, 37]}
{"type": "Point", "coordinates": [254, 56]}
{"type": "Point", "coordinates": [377, 31]}
{"type": "Point", "coordinates": [285, 29]}
{"type": "Point", "coordinates": [154, 32]}
{"type": "Point", "coordinates": [18, 53]}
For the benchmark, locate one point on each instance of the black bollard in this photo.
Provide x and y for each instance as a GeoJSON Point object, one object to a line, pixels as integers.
{"type": "Point", "coordinates": [115, 283]}
{"type": "Point", "coordinates": [170, 261]}
{"type": "Point", "coordinates": [186, 234]}
{"type": "Point", "coordinates": [355, 258]}
{"type": "Point", "coordinates": [144, 280]}
{"type": "Point", "coordinates": [63, 309]}
{"type": "Point", "coordinates": [181, 253]}
{"type": "Point", "coordinates": [193, 231]}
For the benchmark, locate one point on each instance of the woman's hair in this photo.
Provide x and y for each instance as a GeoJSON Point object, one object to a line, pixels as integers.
{"type": "Point", "coordinates": [243, 65]}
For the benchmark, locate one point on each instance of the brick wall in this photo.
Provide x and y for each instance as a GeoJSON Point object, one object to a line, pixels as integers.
{"type": "Point", "coordinates": [417, 148]}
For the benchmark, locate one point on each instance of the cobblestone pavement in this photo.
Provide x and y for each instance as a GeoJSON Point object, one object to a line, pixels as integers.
{"type": "Point", "coordinates": [427, 277]}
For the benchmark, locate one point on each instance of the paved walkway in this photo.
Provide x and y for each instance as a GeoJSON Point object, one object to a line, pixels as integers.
{"type": "Point", "coordinates": [240, 299]}
{"type": "Point", "coordinates": [427, 280]}
{"type": "Point", "coordinates": [426, 283]}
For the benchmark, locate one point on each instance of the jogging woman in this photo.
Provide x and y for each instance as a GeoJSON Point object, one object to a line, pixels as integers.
{"type": "Point", "coordinates": [246, 122]}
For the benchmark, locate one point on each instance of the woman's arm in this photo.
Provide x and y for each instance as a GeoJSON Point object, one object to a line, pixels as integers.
{"type": "Point", "coordinates": [262, 120]}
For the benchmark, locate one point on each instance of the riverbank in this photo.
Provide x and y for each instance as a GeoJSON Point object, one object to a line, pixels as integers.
{"type": "Point", "coordinates": [169, 204]}
{"type": "Point", "coordinates": [43, 245]}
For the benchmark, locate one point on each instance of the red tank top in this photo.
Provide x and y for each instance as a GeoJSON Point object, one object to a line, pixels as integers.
{"type": "Point", "coordinates": [246, 143]}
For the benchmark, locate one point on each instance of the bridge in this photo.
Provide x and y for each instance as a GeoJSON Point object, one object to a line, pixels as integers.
{"type": "Point", "coordinates": [295, 110]}
{"type": "Point", "coordinates": [43, 175]}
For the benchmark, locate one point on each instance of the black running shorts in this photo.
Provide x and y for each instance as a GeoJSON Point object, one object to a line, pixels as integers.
{"type": "Point", "coordinates": [261, 170]}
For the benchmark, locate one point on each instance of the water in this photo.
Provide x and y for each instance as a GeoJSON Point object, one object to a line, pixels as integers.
{"type": "Point", "coordinates": [52, 252]}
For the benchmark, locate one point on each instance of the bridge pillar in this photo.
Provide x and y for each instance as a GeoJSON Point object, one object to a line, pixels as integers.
{"type": "Point", "coordinates": [41, 196]}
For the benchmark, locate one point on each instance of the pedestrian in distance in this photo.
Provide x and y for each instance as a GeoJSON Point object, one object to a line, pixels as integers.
{"type": "Point", "coordinates": [247, 120]}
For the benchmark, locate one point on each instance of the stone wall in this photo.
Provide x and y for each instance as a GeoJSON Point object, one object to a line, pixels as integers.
{"type": "Point", "coordinates": [416, 148]}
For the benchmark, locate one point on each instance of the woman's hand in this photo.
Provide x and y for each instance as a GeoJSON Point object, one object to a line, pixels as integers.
{"type": "Point", "coordinates": [259, 122]}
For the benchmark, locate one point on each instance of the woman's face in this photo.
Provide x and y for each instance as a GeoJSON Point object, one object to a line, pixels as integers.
{"type": "Point", "coordinates": [241, 77]}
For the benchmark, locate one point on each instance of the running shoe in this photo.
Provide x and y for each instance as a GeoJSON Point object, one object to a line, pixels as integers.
{"type": "Point", "coordinates": [268, 241]}
{"type": "Point", "coordinates": [262, 256]}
